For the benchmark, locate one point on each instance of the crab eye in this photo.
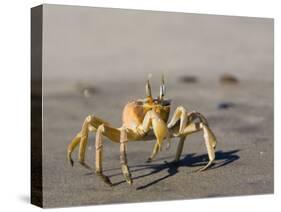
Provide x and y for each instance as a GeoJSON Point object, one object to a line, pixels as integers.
{"type": "Point", "coordinates": [166, 102]}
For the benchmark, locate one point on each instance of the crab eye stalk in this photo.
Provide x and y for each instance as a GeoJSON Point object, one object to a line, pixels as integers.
{"type": "Point", "coordinates": [148, 89]}
{"type": "Point", "coordinates": [162, 88]}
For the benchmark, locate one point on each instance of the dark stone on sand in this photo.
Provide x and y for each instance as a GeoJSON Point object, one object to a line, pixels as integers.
{"type": "Point", "coordinates": [188, 79]}
{"type": "Point", "coordinates": [228, 79]}
{"type": "Point", "coordinates": [225, 105]}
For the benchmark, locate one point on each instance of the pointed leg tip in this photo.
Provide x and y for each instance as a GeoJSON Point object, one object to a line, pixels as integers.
{"type": "Point", "coordinates": [175, 162]}
{"type": "Point", "coordinates": [199, 170]}
{"type": "Point", "coordinates": [149, 160]}
{"type": "Point", "coordinates": [202, 170]}
{"type": "Point", "coordinates": [205, 167]}
{"type": "Point", "coordinates": [71, 162]}
{"type": "Point", "coordinates": [85, 165]}
{"type": "Point", "coordinates": [104, 178]}
{"type": "Point", "coordinates": [107, 181]}
{"type": "Point", "coordinates": [129, 180]}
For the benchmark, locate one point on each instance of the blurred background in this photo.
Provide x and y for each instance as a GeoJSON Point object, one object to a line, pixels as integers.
{"type": "Point", "coordinates": [95, 60]}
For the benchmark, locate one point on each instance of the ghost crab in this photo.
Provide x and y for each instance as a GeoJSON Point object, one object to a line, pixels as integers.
{"type": "Point", "coordinates": [143, 119]}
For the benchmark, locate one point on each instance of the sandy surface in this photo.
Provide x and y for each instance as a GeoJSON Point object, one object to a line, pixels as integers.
{"type": "Point", "coordinates": [242, 47]}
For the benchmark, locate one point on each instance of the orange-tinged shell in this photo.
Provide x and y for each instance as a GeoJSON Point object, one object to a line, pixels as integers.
{"type": "Point", "coordinates": [133, 114]}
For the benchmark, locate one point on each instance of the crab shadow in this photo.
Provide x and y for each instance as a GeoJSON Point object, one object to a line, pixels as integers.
{"type": "Point", "coordinates": [189, 160]}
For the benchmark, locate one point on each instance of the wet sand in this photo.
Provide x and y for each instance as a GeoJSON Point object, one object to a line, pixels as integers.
{"type": "Point", "coordinates": [244, 164]}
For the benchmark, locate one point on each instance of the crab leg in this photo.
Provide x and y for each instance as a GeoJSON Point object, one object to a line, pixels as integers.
{"type": "Point", "coordinates": [154, 153]}
{"type": "Point", "coordinates": [90, 124]}
{"type": "Point", "coordinates": [210, 141]}
{"type": "Point", "coordinates": [209, 137]}
{"type": "Point", "coordinates": [180, 148]}
{"type": "Point", "coordinates": [99, 149]}
{"type": "Point", "coordinates": [75, 141]}
{"type": "Point", "coordinates": [99, 155]}
{"type": "Point", "coordinates": [190, 128]}
{"type": "Point", "coordinates": [179, 115]}
{"type": "Point", "coordinates": [123, 156]}
{"type": "Point", "coordinates": [186, 118]}
{"type": "Point", "coordinates": [82, 139]}
{"type": "Point", "coordinates": [83, 143]}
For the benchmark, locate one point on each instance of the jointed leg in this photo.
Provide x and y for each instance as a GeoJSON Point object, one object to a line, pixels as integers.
{"type": "Point", "coordinates": [123, 156]}
{"type": "Point", "coordinates": [186, 127]}
{"type": "Point", "coordinates": [99, 155]}
{"type": "Point", "coordinates": [190, 128]}
{"type": "Point", "coordinates": [90, 124]}
{"type": "Point", "coordinates": [82, 151]}
{"type": "Point", "coordinates": [180, 148]}
{"type": "Point", "coordinates": [154, 152]}
{"type": "Point", "coordinates": [210, 141]}
{"type": "Point", "coordinates": [101, 128]}
{"type": "Point", "coordinates": [82, 139]}
{"type": "Point", "coordinates": [209, 137]}
{"type": "Point", "coordinates": [72, 146]}
{"type": "Point", "coordinates": [180, 119]}
{"type": "Point", "coordinates": [184, 119]}
{"type": "Point", "coordinates": [83, 144]}
{"type": "Point", "coordinates": [179, 115]}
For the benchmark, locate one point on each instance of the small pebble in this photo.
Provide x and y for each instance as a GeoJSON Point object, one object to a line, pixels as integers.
{"type": "Point", "coordinates": [188, 79]}
{"type": "Point", "coordinates": [87, 90]}
{"type": "Point", "coordinates": [228, 79]}
{"type": "Point", "coordinates": [225, 105]}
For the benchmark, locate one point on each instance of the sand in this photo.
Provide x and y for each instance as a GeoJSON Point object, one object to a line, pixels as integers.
{"type": "Point", "coordinates": [98, 60]}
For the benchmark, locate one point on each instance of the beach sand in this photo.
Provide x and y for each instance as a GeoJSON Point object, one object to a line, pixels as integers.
{"type": "Point", "coordinates": [96, 60]}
